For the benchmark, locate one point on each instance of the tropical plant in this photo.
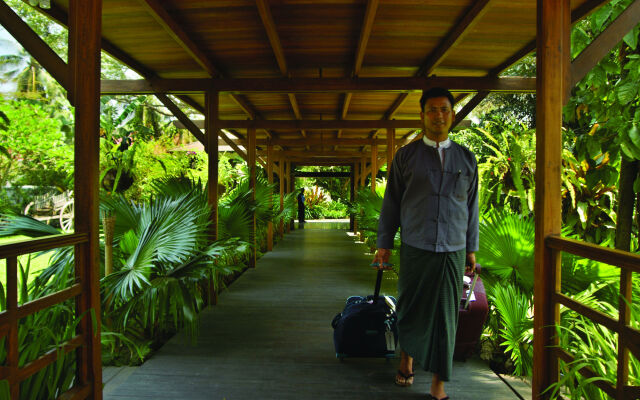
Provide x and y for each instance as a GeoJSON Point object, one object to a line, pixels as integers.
{"type": "Point", "coordinates": [593, 346]}
{"type": "Point", "coordinates": [515, 310]}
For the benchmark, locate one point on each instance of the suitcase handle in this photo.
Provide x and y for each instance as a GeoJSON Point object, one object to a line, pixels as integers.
{"type": "Point", "coordinates": [376, 292]}
{"type": "Point", "coordinates": [473, 285]}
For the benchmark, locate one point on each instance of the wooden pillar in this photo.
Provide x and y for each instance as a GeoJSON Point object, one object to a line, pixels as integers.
{"type": "Point", "coordinates": [391, 147]}
{"type": "Point", "coordinates": [212, 102]}
{"type": "Point", "coordinates": [552, 54]}
{"type": "Point", "coordinates": [212, 106]}
{"type": "Point", "coordinates": [84, 68]}
{"type": "Point", "coordinates": [374, 166]}
{"type": "Point", "coordinates": [282, 191]}
{"type": "Point", "coordinates": [291, 184]}
{"type": "Point", "coordinates": [352, 195]}
{"type": "Point", "coordinates": [251, 163]}
{"type": "Point", "coordinates": [363, 175]}
{"type": "Point", "coordinates": [270, 180]}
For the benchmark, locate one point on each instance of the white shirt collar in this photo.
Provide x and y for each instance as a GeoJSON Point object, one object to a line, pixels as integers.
{"type": "Point", "coordinates": [443, 145]}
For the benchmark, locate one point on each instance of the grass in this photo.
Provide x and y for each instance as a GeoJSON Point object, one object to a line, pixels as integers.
{"type": "Point", "coordinates": [38, 263]}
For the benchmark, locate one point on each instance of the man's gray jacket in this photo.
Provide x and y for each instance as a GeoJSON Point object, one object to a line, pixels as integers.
{"type": "Point", "coordinates": [435, 206]}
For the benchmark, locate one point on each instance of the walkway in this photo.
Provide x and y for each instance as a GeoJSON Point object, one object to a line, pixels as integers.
{"type": "Point", "coordinates": [270, 337]}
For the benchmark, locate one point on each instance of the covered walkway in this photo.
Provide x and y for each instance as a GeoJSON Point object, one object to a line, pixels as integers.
{"type": "Point", "coordinates": [270, 337]}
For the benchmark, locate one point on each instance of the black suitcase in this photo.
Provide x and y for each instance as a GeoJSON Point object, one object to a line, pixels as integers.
{"type": "Point", "coordinates": [367, 326]}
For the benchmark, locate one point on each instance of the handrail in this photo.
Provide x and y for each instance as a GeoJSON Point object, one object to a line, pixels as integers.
{"type": "Point", "coordinates": [618, 258]}
{"type": "Point", "coordinates": [628, 337]}
{"type": "Point", "coordinates": [41, 244]}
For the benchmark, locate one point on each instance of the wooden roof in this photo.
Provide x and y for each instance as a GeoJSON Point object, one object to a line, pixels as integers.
{"type": "Point", "coordinates": [172, 42]}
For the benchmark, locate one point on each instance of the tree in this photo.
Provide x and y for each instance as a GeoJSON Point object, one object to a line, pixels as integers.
{"type": "Point", "coordinates": [34, 150]}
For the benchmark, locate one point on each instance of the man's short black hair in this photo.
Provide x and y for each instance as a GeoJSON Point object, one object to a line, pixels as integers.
{"type": "Point", "coordinates": [435, 92]}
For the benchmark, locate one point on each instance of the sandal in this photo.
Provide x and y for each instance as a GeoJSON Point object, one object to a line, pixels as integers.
{"type": "Point", "coordinates": [432, 397]}
{"type": "Point", "coordinates": [404, 380]}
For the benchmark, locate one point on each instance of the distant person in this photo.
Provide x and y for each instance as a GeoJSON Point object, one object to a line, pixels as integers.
{"type": "Point", "coordinates": [432, 195]}
{"type": "Point", "coordinates": [301, 206]}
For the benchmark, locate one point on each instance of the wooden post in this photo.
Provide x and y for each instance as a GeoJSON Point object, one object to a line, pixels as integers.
{"type": "Point", "coordinates": [84, 71]}
{"type": "Point", "coordinates": [363, 175]}
{"type": "Point", "coordinates": [374, 166]}
{"type": "Point", "coordinates": [282, 183]}
{"type": "Point", "coordinates": [291, 184]}
{"type": "Point", "coordinates": [391, 147]}
{"type": "Point", "coordinates": [552, 54]}
{"type": "Point", "coordinates": [287, 189]}
{"type": "Point", "coordinates": [212, 106]}
{"type": "Point", "coordinates": [251, 161]}
{"type": "Point", "coordinates": [352, 195]}
{"type": "Point", "coordinates": [270, 180]}
{"type": "Point", "coordinates": [356, 181]}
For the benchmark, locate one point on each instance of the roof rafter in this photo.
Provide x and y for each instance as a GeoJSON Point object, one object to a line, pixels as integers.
{"type": "Point", "coordinates": [365, 34]}
{"type": "Point", "coordinates": [576, 15]}
{"type": "Point", "coordinates": [269, 25]}
{"type": "Point", "coordinates": [455, 35]}
{"type": "Point", "coordinates": [174, 29]}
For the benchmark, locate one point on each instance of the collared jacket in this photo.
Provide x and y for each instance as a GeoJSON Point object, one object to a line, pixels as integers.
{"type": "Point", "coordinates": [435, 206]}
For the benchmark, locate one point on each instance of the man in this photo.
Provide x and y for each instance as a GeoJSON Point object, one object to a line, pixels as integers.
{"type": "Point", "coordinates": [301, 206]}
{"type": "Point", "coordinates": [432, 195]}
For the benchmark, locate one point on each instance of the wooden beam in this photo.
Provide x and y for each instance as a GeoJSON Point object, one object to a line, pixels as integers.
{"type": "Point", "coordinates": [270, 180]}
{"type": "Point", "coordinates": [454, 36]}
{"type": "Point", "coordinates": [552, 54]}
{"type": "Point", "coordinates": [576, 15]}
{"type": "Point", "coordinates": [471, 17]}
{"type": "Point", "coordinates": [606, 40]}
{"type": "Point", "coordinates": [473, 103]}
{"type": "Point", "coordinates": [374, 167]}
{"type": "Point", "coordinates": [178, 34]}
{"type": "Point", "coordinates": [391, 146]}
{"type": "Point", "coordinates": [183, 118]}
{"type": "Point", "coordinates": [314, 141]}
{"type": "Point", "coordinates": [315, 155]}
{"type": "Point", "coordinates": [233, 145]}
{"type": "Point", "coordinates": [269, 25]}
{"type": "Point", "coordinates": [84, 79]}
{"type": "Point", "coordinates": [327, 85]}
{"type": "Point", "coordinates": [35, 46]}
{"type": "Point", "coordinates": [212, 106]}
{"type": "Point", "coordinates": [320, 124]}
{"type": "Point", "coordinates": [251, 164]}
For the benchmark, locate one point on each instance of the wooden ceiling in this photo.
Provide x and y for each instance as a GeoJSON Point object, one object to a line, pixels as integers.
{"type": "Point", "coordinates": [171, 42]}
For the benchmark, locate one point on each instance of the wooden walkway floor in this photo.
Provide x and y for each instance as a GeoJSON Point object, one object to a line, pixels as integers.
{"type": "Point", "coordinates": [270, 337]}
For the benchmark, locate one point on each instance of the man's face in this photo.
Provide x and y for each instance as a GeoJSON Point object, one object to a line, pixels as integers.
{"type": "Point", "coordinates": [437, 116]}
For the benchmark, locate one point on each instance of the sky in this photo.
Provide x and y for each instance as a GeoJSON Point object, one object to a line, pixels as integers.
{"type": "Point", "coordinates": [7, 49]}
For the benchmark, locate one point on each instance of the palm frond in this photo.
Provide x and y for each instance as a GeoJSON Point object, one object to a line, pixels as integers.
{"type": "Point", "coordinates": [11, 225]}
{"type": "Point", "coordinates": [507, 248]}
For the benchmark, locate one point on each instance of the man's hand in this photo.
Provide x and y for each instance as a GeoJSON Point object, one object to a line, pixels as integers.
{"type": "Point", "coordinates": [470, 266]}
{"type": "Point", "coordinates": [381, 258]}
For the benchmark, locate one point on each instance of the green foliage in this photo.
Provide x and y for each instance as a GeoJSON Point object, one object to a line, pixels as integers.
{"type": "Point", "coordinates": [593, 346]}
{"type": "Point", "coordinates": [516, 315]}
{"type": "Point", "coordinates": [34, 149]}
{"type": "Point", "coordinates": [506, 249]}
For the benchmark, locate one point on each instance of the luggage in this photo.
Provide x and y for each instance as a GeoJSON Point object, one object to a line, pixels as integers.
{"type": "Point", "coordinates": [471, 318]}
{"type": "Point", "coordinates": [367, 326]}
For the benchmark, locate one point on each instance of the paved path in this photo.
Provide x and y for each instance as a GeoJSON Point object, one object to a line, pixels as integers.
{"type": "Point", "coordinates": [270, 337]}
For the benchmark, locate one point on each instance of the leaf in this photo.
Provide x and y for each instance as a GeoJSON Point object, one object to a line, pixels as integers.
{"type": "Point", "coordinates": [636, 185]}
{"type": "Point", "coordinates": [582, 211]}
{"type": "Point", "coordinates": [626, 92]}
{"type": "Point", "coordinates": [593, 147]}
{"type": "Point", "coordinates": [634, 135]}
{"type": "Point", "coordinates": [631, 38]}
{"type": "Point", "coordinates": [601, 16]}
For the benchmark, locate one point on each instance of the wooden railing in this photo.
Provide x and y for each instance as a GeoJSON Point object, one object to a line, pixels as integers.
{"type": "Point", "coordinates": [628, 337]}
{"type": "Point", "coordinates": [9, 319]}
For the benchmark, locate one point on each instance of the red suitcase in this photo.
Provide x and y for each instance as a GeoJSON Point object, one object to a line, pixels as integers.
{"type": "Point", "coordinates": [471, 318]}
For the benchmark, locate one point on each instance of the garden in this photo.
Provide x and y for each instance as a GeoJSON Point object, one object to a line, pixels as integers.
{"type": "Point", "coordinates": [159, 269]}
